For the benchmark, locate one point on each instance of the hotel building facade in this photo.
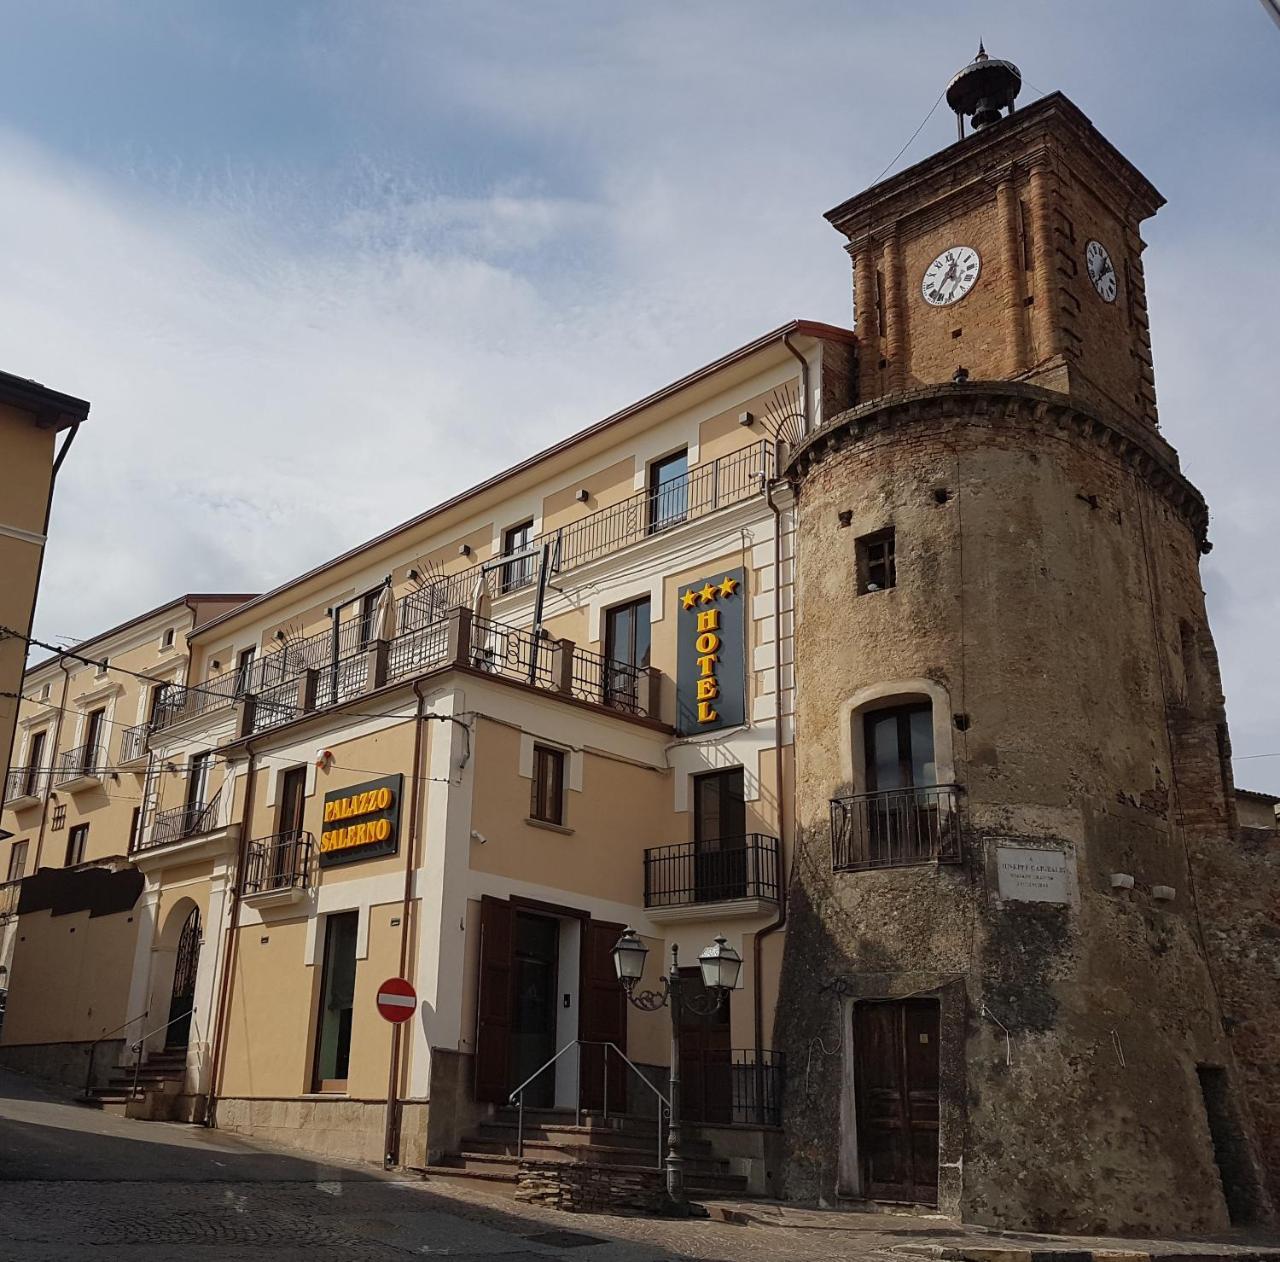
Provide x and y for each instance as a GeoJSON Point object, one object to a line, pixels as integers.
{"type": "Point", "coordinates": [882, 654]}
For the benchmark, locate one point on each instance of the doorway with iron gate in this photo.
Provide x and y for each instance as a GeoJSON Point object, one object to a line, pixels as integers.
{"type": "Point", "coordinates": [182, 995]}
{"type": "Point", "coordinates": [896, 1067]}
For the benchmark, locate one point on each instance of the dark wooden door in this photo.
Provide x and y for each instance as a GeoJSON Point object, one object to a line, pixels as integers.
{"type": "Point", "coordinates": [896, 1062]}
{"type": "Point", "coordinates": [719, 835]}
{"type": "Point", "coordinates": [535, 972]}
{"type": "Point", "coordinates": [602, 1017]}
{"type": "Point", "coordinates": [493, 1007]}
{"type": "Point", "coordinates": [282, 859]}
{"type": "Point", "coordinates": [706, 1058]}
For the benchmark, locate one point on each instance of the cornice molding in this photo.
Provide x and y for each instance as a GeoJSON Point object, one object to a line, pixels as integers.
{"type": "Point", "coordinates": [1142, 452]}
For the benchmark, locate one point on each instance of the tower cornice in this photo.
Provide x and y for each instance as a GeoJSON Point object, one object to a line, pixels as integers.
{"type": "Point", "coordinates": [1140, 450]}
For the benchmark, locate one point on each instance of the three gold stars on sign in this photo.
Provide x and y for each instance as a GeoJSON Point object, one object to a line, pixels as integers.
{"type": "Point", "coordinates": [709, 593]}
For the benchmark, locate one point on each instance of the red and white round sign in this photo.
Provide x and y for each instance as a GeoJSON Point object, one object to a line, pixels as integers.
{"type": "Point", "coordinates": [396, 999]}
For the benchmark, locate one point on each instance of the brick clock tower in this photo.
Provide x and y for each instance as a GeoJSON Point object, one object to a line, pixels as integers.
{"type": "Point", "coordinates": [1024, 977]}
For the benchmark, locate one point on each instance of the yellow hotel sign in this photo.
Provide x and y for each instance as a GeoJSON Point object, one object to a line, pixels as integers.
{"type": "Point", "coordinates": [710, 676]}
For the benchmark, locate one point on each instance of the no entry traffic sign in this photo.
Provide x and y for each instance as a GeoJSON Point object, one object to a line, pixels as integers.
{"type": "Point", "coordinates": [396, 999]}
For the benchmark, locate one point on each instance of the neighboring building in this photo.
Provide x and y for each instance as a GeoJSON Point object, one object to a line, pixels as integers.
{"type": "Point", "coordinates": [884, 655]}
{"type": "Point", "coordinates": [73, 796]}
{"type": "Point", "coordinates": [1256, 811]}
{"type": "Point", "coordinates": [31, 417]}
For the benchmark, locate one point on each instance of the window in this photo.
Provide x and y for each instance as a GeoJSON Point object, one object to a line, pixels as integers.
{"type": "Point", "coordinates": [133, 827]}
{"type": "Point", "coordinates": [514, 540]}
{"type": "Point", "coordinates": [877, 569]}
{"type": "Point", "coordinates": [59, 821]}
{"type": "Point", "coordinates": [668, 492]}
{"type": "Point", "coordinates": [626, 646]}
{"type": "Point", "coordinates": [76, 840]}
{"type": "Point", "coordinates": [166, 640]}
{"type": "Point", "coordinates": [548, 785]}
{"type": "Point", "coordinates": [93, 738]}
{"type": "Point", "coordinates": [368, 615]}
{"type": "Point", "coordinates": [102, 667]}
{"type": "Point", "coordinates": [197, 782]}
{"type": "Point", "coordinates": [244, 669]}
{"type": "Point", "coordinates": [719, 835]}
{"type": "Point", "coordinates": [899, 746]}
{"type": "Point", "coordinates": [337, 1002]}
{"type": "Point", "coordinates": [153, 702]}
{"type": "Point", "coordinates": [17, 860]}
{"type": "Point", "coordinates": [44, 692]}
{"type": "Point", "coordinates": [35, 756]}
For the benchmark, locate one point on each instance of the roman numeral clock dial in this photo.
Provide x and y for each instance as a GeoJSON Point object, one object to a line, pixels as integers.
{"type": "Point", "coordinates": [1101, 272]}
{"type": "Point", "coordinates": [950, 276]}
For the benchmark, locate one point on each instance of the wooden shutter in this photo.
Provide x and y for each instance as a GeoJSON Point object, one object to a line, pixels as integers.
{"type": "Point", "coordinates": [493, 1007]}
{"type": "Point", "coordinates": [602, 1017]}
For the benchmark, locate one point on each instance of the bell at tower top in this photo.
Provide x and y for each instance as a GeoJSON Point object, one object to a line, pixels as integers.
{"type": "Point", "coordinates": [982, 89]}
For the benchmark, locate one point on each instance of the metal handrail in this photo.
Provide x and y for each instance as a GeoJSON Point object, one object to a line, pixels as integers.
{"type": "Point", "coordinates": [517, 1096]}
{"type": "Point", "coordinates": [88, 1077]}
{"type": "Point", "coordinates": [137, 1047]}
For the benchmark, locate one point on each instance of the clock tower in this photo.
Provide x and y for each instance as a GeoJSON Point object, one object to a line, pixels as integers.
{"type": "Point", "coordinates": [1018, 982]}
{"type": "Point", "coordinates": [1015, 254]}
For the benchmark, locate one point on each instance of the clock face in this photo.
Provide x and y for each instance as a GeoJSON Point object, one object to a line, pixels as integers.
{"type": "Point", "coordinates": [1101, 272]}
{"type": "Point", "coordinates": [950, 276]}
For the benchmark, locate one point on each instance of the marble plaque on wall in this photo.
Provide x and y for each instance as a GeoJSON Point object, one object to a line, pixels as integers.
{"type": "Point", "coordinates": [1033, 876]}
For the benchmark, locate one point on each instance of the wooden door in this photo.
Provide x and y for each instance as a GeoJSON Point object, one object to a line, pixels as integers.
{"type": "Point", "coordinates": [706, 1057]}
{"type": "Point", "coordinates": [896, 1063]}
{"type": "Point", "coordinates": [493, 1007]}
{"type": "Point", "coordinates": [719, 834]}
{"type": "Point", "coordinates": [602, 1017]}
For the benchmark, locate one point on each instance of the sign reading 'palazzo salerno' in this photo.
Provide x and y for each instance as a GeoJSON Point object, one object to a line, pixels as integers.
{"type": "Point", "coordinates": [361, 822]}
{"type": "Point", "coordinates": [711, 680]}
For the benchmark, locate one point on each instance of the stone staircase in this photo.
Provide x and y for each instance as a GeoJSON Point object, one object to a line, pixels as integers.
{"type": "Point", "coordinates": [159, 1082]}
{"type": "Point", "coordinates": [553, 1135]}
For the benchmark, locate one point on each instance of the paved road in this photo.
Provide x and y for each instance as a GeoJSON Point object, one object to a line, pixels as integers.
{"type": "Point", "coordinates": [77, 1184]}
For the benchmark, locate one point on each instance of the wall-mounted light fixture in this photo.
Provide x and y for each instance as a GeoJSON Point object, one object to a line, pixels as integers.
{"type": "Point", "coordinates": [746, 419]}
{"type": "Point", "coordinates": [464, 549]}
{"type": "Point", "coordinates": [583, 495]}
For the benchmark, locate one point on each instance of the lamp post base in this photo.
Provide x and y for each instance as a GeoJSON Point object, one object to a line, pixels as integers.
{"type": "Point", "coordinates": [669, 1207]}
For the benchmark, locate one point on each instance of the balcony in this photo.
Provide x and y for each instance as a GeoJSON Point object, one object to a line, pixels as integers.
{"type": "Point", "coordinates": [181, 823]}
{"type": "Point", "coordinates": [896, 828]}
{"type": "Point", "coordinates": [276, 868]}
{"type": "Point", "coordinates": [9, 894]}
{"type": "Point", "coordinates": [25, 787]}
{"type": "Point", "coordinates": [738, 876]}
{"type": "Point", "coordinates": [80, 768]}
{"type": "Point", "coordinates": [133, 744]}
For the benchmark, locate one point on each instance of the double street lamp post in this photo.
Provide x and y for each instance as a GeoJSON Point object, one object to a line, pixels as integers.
{"type": "Point", "coordinates": [720, 965]}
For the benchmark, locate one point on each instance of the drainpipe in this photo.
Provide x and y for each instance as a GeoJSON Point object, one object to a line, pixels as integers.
{"type": "Point", "coordinates": [229, 953]}
{"type": "Point", "coordinates": [391, 1132]}
{"type": "Point", "coordinates": [804, 382]}
{"type": "Point", "coordinates": [781, 919]}
{"type": "Point", "coordinates": [53, 758]}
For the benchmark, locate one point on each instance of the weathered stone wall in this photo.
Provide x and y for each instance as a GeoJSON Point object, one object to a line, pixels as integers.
{"type": "Point", "coordinates": [1048, 601]}
{"type": "Point", "coordinates": [580, 1188]}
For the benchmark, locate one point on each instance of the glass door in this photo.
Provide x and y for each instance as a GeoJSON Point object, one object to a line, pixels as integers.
{"type": "Point", "coordinates": [337, 1003]}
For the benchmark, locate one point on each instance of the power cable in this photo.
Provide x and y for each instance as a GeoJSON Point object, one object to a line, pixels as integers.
{"type": "Point", "coordinates": [914, 134]}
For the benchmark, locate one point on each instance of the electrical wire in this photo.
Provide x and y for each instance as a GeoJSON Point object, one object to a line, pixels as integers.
{"type": "Point", "coordinates": [914, 134]}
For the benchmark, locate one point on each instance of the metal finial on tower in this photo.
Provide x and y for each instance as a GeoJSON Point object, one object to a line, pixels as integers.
{"type": "Point", "coordinates": [982, 89]}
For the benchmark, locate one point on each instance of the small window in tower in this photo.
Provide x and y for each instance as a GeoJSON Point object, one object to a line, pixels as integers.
{"type": "Point", "coordinates": [877, 567]}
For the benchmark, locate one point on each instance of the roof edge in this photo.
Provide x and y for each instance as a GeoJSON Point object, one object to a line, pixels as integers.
{"type": "Point", "coordinates": [51, 408]}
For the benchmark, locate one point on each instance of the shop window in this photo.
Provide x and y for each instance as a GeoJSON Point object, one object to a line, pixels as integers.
{"type": "Point", "coordinates": [548, 785]}
{"type": "Point", "coordinates": [337, 1003]}
{"type": "Point", "coordinates": [517, 573]}
{"type": "Point", "coordinates": [17, 860]}
{"type": "Point", "coordinates": [668, 492]}
{"type": "Point", "coordinates": [77, 838]}
{"type": "Point", "coordinates": [877, 567]}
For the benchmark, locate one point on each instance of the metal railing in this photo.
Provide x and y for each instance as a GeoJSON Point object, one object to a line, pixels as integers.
{"type": "Point", "coordinates": [420, 650]}
{"type": "Point", "coordinates": [603, 681]}
{"type": "Point", "coordinates": [85, 760]}
{"type": "Point", "coordinates": [731, 1087]}
{"type": "Point", "coordinates": [499, 649]}
{"type": "Point", "coordinates": [25, 782]}
{"type": "Point", "coordinates": [896, 828]}
{"type": "Point", "coordinates": [712, 871]}
{"type": "Point", "coordinates": [133, 742]}
{"type": "Point", "coordinates": [278, 862]}
{"type": "Point", "coordinates": [10, 891]}
{"type": "Point", "coordinates": [93, 1050]}
{"type": "Point", "coordinates": [137, 1047]}
{"type": "Point", "coordinates": [181, 822]}
{"type": "Point", "coordinates": [517, 1096]}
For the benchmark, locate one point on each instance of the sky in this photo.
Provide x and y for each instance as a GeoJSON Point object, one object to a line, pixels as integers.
{"type": "Point", "coordinates": [318, 266]}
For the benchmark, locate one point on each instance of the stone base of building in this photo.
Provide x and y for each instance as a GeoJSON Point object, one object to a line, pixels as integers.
{"type": "Point", "coordinates": [64, 1063]}
{"type": "Point", "coordinates": [347, 1130]}
{"type": "Point", "coordinates": [580, 1188]}
{"type": "Point", "coordinates": [755, 1152]}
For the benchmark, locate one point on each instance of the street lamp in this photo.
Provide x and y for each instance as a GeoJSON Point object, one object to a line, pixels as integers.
{"type": "Point", "coordinates": [720, 965]}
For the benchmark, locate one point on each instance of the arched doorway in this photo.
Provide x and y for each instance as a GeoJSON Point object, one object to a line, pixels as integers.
{"type": "Point", "coordinates": [183, 994]}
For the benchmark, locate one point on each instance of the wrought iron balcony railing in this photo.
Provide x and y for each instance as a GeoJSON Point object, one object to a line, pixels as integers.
{"type": "Point", "coordinates": [712, 871]}
{"type": "Point", "coordinates": [133, 742]}
{"type": "Point", "coordinates": [896, 828]}
{"type": "Point", "coordinates": [9, 894]}
{"type": "Point", "coordinates": [179, 823]}
{"type": "Point", "coordinates": [278, 862]}
{"type": "Point", "coordinates": [25, 782]}
{"type": "Point", "coordinates": [731, 1087]}
{"type": "Point", "coordinates": [84, 762]}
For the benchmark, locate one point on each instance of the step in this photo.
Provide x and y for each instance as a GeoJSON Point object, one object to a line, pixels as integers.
{"type": "Point", "coordinates": [574, 1136]}
{"type": "Point", "coordinates": [591, 1154]}
{"type": "Point", "coordinates": [105, 1102]}
{"type": "Point", "coordinates": [503, 1170]}
{"type": "Point", "coordinates": [592, 1119]}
